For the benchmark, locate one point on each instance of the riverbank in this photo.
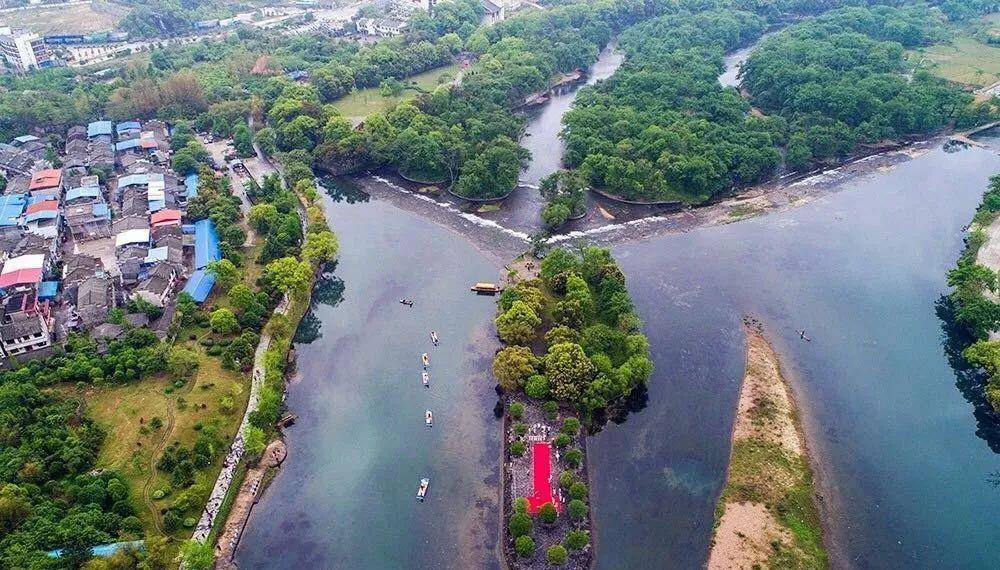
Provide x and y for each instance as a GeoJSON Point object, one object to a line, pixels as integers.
{"type": "Point", "coordinates": [505, 233]}
{"type": "Point", "coordinates": [767, 515]}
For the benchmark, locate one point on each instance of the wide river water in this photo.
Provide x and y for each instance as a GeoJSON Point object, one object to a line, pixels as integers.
{"type": "Point", "coordinates": [904, 441]}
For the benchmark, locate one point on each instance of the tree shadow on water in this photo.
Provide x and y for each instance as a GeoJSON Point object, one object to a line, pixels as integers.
{"type": "Point", "coordinates": [969, 380]}
{"type": "Point", "coordinates": [341, 191]}
{"type": "Point", "coordinates": [329, 291]}
{"type": "Point", "coordinates": [635, 402]}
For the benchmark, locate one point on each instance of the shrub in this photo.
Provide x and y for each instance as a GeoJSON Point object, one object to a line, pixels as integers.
{"type": "Point", "coordinates": [573, 457]}
{"type": "Point", "coordinates": [520, 505]}
{"type": "Point", "coordinates": [518, 448]}
{"type": "Point", "coordinates": [520, 428]}
{"type": "Point", "coordinates": [171, 521]}
{"type": "Point", "coordinates": [548, 513]}
{"type": "Point", "coordinates": [517, 410]}
{"type": "Point", "coordinates": [562, 440]}
{"type": "Point", "coordinates": [158, 494]}
{"type": "Point", "coordinates": [571, 426]}
{"type": "Point", "coordinates": [550, 408]}
{"type": "Point", "coordinates": [189, 522]}
{"type": "Point", "coordinates": [179, 383]}
{"type": "Point", "coordinates": [577, 509]}
{"type": "Point", "coordinates": [566, 479]}
{"type": "Point", "coordinates": [524, 546]}
{"type": "Point", "coordinates": [556, 555]}
{"type": "Point", "coordinates": [578, 490]}
{"type": "Point", "coordinates": [519, 525]}
{"type": "Point", "coordinates": [537, 386]}
{"type": "Point", "coordinates": [577, 539]}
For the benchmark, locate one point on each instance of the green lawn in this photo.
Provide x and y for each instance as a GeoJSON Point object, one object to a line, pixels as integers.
{"type": "Point", "coordinates": [132, 448]}
{"type": "Point", "coordinates": [963, 60]}
{"type": "Point", "coordinates": [363, 102]}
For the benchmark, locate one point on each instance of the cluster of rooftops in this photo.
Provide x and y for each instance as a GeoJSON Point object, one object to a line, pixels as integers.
{"type": "Point", "coordinates": [107, 226]}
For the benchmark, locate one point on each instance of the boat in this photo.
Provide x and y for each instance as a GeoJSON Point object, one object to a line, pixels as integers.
{"type": "Point", "coordinates": [422, 491]}
{"type": "Point", "coordinates": [425, 359]}
{"type": "Point", "coordinates": [426, 378]}
{"type": "Point", "coordinates": [434, 337]}
{"type": "Point", "coordinates": [429, 418]}
{"type": "Point", "coordinates": [486, 288]}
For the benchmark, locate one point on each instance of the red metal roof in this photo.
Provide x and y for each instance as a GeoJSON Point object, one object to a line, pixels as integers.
{"type": "Point", "coordinates": [148, 143]}
{"type": "Point", "coordinates": [49, 178]}
{"type": "Point", "coordinates": [43, 206]}
{"type": "Point", "coordinates": [21, 277]}
{"type": "Point", "coordinates": [164, 217]}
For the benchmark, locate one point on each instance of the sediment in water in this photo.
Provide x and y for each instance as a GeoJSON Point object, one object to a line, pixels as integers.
{"type": "Point", "coordinates": [767, 515]}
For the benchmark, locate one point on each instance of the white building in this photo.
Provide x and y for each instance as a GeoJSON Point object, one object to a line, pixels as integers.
{"type": "Point", "coordinates": [24, 51]}
{"type": "Point", "coordinates": [381, 27]}
{"type": "Point", "coordinates": [494, 11]}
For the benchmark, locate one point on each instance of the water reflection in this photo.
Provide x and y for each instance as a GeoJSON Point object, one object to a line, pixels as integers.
{"type": "Point", "coordinates": [341, 191]}
{"type": "Point", "coordinates": [969, 380]}
{"type": "Point", "coordinates": [329, 291]}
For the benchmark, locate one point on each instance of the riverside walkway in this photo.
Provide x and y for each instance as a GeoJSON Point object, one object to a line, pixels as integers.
{"type": "Point", "coordinates": [238, 449]}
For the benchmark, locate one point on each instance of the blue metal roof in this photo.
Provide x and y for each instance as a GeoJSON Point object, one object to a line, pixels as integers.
{"type": "Point", "coordinates": [127, 126]}
{"type": "Point", "coordinates": [199, 286]}
{"type": "Point", "coordinates": [191, 185]}
{"type": "Point", "coordinates": [133, 180]}
{"type": "Point", "coordinates": [100, 209]}
{"type": "Point", "coordinates": [206, 244]}
{"type": "Point", "coordinates": [98, 128]}
{"type": "Point", "coordinates": [127, 144]}
{"type": "Point", "coordinates": [103, 550]}
{"type": "Point", "coordinates": [157, 205]}
{"type": "Point", "coordinates": [48, 289]}
{"type": "Point", "coordinates": [156, 254]}
{"type": "Point", "coordinates": [11, 208]}
{"type": "Point", "coordinates": [43, 215]}
{"type": "Point", "coordinates": [82, 192]}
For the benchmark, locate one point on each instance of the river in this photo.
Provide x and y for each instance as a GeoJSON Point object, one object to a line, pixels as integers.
{"type": "Point", "coordinates": [346, 496]}
{"type": "Point", "coordinates": [905, 445]}
{"type": "Point", "coordinates": [904, 466]}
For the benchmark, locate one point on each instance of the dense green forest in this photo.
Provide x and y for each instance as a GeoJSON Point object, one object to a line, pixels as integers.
{"type": "Point", "coordinates": [839, 81]}
{"type": "Point", "coordinates": [467, 133]}
{"type": "Point", "coordinates": [663, 128]}
{"type": "Point", "coordinates": [580, 311]}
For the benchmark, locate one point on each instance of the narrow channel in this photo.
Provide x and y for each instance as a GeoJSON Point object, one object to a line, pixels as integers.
{"type": "Point", "coordinates": [346, 496]}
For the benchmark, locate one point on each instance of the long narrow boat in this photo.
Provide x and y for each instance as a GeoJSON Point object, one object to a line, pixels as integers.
{"type": "Point", "coordinates": [425, 359]}
{"type": "Point", "coordinates": [426, 378]}
{"type": "Point", "coordinates": [429, 418]}
{"type": "Point", "coordinates": [422, 491]}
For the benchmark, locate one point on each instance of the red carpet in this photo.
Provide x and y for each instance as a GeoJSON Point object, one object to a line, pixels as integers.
{"type": "Point", "coordinates": [541, 469]}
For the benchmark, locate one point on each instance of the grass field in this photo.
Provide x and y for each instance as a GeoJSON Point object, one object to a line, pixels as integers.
{"type": "Point", "coordinates": [963, 60]}
{"type": "Point", "coordinates": [87, 18]}
{"type": "Point", "coordinates": [363, 102]}
{"type": "Point", "coordinates": [132, 446]}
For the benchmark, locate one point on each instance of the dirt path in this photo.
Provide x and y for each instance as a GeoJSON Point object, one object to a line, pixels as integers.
{"type": "Point", "coordinates": [249, 493]}
{"type": "Point", "coordinates": [768, 467]}
{"type": "Point", "coordinates": [153, 471]}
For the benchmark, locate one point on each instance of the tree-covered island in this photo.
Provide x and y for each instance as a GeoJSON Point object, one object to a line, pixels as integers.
{"type": "Point", "coordinates": [574, 351]}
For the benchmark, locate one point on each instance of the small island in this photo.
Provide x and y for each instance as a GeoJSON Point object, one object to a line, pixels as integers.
{"type": "Point", "coordinates": [573, 353]}
{"type": "Point", "coordinates": [767, 515]}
